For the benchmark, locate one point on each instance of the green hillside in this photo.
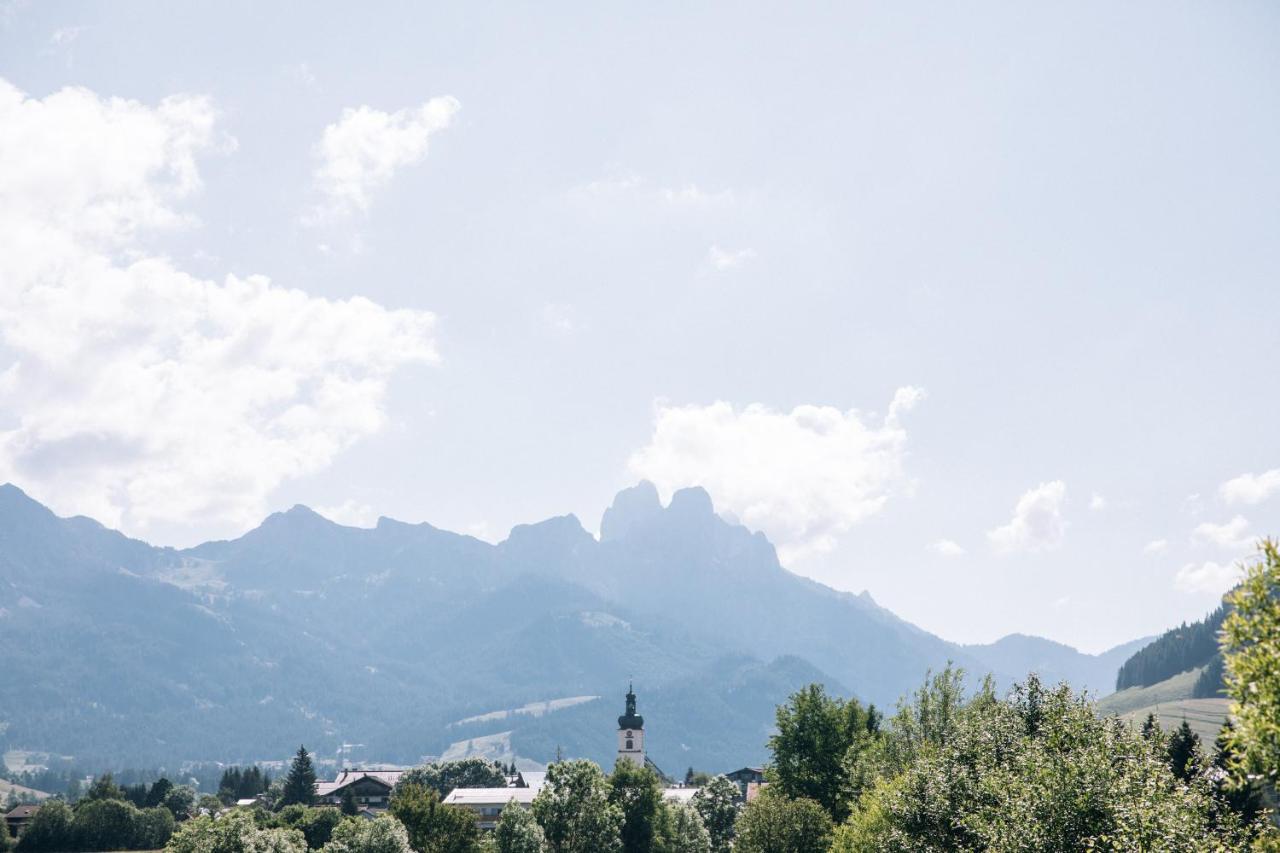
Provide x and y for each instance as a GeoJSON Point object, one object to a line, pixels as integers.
{"type": "Point", "coordinates": [1172, 701]}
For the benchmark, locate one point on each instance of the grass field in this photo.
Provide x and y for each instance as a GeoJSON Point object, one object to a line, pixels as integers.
{"type": "Point", "coordinates": [1171, 702]}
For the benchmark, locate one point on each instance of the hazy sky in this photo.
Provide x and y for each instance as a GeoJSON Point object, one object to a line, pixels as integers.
{"type": "Point", "coordinates": [972, 306]}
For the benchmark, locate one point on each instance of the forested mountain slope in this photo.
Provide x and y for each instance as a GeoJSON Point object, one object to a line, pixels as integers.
{"type": "Point", "coordinates": [303, 630]}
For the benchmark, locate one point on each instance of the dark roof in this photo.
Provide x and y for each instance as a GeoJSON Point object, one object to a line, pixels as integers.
{"type": "Point", "coordinates": [24, 810]}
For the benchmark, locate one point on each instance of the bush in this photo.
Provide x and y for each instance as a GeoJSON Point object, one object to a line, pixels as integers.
{"type": "Point", "coordinates": [771, 823]}
{"type": "Point", "coordinates": [356, 835]}
{"type": "Point", "coordinates": [233, 833]}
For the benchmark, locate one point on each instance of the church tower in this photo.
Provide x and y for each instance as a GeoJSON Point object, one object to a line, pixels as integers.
{"type": "Point", "coordinates": [631, 732]}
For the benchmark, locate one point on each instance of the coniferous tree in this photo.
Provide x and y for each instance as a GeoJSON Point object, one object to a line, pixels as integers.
{"type": "Point", "coordinates": [349, 806]}
{"type": "Point", "coordinates": [1150, 727]}
{"type": "Point", "coordinates": [1184, 752]}
{"type": "Point", "coordinates": [300, 785]}
{"type": "Point", "coordinates": [158, 792]}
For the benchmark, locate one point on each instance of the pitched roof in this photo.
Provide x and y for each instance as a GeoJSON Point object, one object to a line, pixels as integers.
{"type": "Point", "coordinates": [24, 810]}
{"type": "Point", "coordinates": [388, 778]}
{"type": "Point", "coordinates": [490, 796]}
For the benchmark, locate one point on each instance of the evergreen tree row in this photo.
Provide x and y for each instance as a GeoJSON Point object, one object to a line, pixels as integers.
{"type": "Point", "coordinates": [1176, 650]}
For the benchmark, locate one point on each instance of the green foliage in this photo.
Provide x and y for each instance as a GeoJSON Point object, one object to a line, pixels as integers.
{"type": "Point", "coordinates": [153, 828]}
{"type": "Point", "coordinates": [157, 792]}
{"type": "Point", "coordinates": [680, 830]}
{"type": "Point", "coordinates": [349, 807]}
{"type": "Point", "coordinates": [235, 832]}
{"type": "Point", "coordinates": [103, 824]}
{"type": "Point", "coordinates": [574, 811]}
{"type": "Point", "coordinates": [637, 792]}
{"type": "Point", "coordinates": [96, 824]}
{"type": "Point", "coordinates": [815, 735]}
{"type": "Point", "coordinates": [315, 823]}
{"type": "Point", "coordinates": [518, 832]}
{"type": "Point", "coordinates": [385, 834]}
{"type": "Point", "coordinates": [443, 777]}
{"type": "Point", "coordinates": [773, 823]}
{"type": "Point", "coordinates": [104, 787]}
{"type": "Point", "coordinates": [181, 801]}
{"type": "Point", "coordinates": [1186, 759]}
{"type": "Point", "coordinates": [1037, 771]}
{"type": "Point", "coordinates": [50, 829]}
{"type": "Point", "coordinates": [716, 803]}
{"type": "Point", "coordinates": [434, 827]}
{"type": "Point", "coordinates": [1239, 793]}
{"type": "Point", "coordinates": [1176, 650]}
{"type": "Point", "coordinates": [242, 783]}
{"type": "Point", "coordinates": [1251, 648]}
{"type": "Point", "coordinates": [300, 785]}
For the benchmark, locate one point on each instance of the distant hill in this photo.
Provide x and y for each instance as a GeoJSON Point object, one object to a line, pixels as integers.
{"type": "Point", "coordinates": [404, 640]}
{"type": "Point", "coordinates": [1172, 701]}
{"type": "Point", "coordinates": [1055, 662]}
{"type": "Point", "coordinates": [1178, 650]}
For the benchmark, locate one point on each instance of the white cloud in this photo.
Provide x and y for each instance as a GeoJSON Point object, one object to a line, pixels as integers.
{"type": "Point", "coordinates": [1098, 503]}
{"type": "Point", "coordinates": [635, 187]}
{"type": "Point", "coordinates": [1233, 534]}
{"type": "Point", "coordinates": [1155, 546]}
{"type": "Point", "coordinates": [1207, 577]}
{"type": "Point", "coordinates": [725, 259]}
{"type": "Point", "coordinates": [1251, 488]}
{"type": "Point", "coordinates": [947, 548]}
{"type": "Point", "coordinates": [361, 151]}
{"type": "Point", "coordinates": [1037, 522]}
{"type": "Point", "coordinates": [64, 36]}
{"type": "Point", "coordinates": [138, 393]}
{"type": "Point", "coordinates": [350, 512]}
{"type": "Point", "coordinates": [803, 476]}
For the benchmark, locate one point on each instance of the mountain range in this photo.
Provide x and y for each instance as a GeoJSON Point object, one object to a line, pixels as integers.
{"type": "Point", "coordinates": [402, 641]}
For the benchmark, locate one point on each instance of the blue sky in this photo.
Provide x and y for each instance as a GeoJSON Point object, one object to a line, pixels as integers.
{"type": "Point", "coordinates": [968, 307]}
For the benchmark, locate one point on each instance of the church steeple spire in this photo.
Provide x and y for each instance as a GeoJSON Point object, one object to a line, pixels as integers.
{"type": "Point", "coordinates": [631, 731]}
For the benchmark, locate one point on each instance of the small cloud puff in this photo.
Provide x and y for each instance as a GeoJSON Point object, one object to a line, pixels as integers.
{"type": "Point", "coordinates": [947, 548]}
{"type": "Point", "coordinates": [1232, 535]}
{"type": "Point", "coordinates": [1251, 488]}
{"type": "Point", "coordinates": [1207, 577]}
{"type": "Point", "coordinates": [361, 152]}
{"type": "Point", "coordinates": [1037, 522]}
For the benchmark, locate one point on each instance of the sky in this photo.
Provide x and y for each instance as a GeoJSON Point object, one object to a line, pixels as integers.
{"type": "Point", "coordinates": [971, 306]}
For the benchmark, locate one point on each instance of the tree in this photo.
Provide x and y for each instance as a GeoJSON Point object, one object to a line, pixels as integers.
{"type": "Point", "coordinates": [1185, 756]}
{"type": "Point", "coordinates": [773, 823]}
{"type": "Point", "coordinates": [349, 807]}
{"type": "Point", "coordinates": [681, 830]}
{"type": "Point", "coordinates": [235, 832]}
{"type": "Point", "coordinates": [434, 827]}
{"type": "Point", "coordinates": [471, 772]}
{"type": "Point", "coordinates": [1150, 727]}
{"type": "Point", "coordinates": [1039, 771]}
{"type": "Point", "coordinates": [157, 792]}
{"type": "Point", "coordinates": [637, 792]}
{"type": "Point", "coordinates": [153, 828]}
{"type": "Point", "coordinates": [104, 788]}
{"type": "Point", "coordinates": [385, 834]}
{"type": "Point", "coordinates": [517, 831]}
{"type": "Point", "coordinates": [300, 786]}
{"type": "Point", "coordinates": [1240, 794]}
{"type": "Point", "coordinates": [315, 824]}
{"type": "Point", "coordinates": [1251, 653]}
{"type": "Point", "coordinates": [815, 734]}
{"type": "Point", "coordinates": [105, 824]}
{"type": "Point", "coordinates": [181, 801]}
{"type": "Point", "coordinates": [574, 811]}
{"type": "Point", "coordinates": [717, 804]}
{"type": "Point", "coordinates": [51, 829]}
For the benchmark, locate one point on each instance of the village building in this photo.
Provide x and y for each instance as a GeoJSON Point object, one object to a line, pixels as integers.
{"type": "Point", "coordinates": [488, 803]}
{"type": "Point", "coordinates": [17, 819]}
{"type": "Point", "coordinates": [370, 789]}
{"type": "Point", "coordinates": [749, 781]}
